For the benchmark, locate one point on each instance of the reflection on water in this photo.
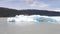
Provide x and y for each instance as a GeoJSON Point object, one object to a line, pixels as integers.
{"type": "Point", "coordinates": [22, 23]}
{"type": "Point", "coordinates": [30, 23]}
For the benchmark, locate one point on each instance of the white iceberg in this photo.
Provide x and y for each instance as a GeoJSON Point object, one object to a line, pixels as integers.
{"type": "Point", "coordinates": [33, 18]}
{"type": "Point", "coordinates": [21, 18]}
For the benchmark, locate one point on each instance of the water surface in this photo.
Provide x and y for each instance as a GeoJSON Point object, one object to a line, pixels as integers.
{"type": "Point", "coordinates": [41, 28]}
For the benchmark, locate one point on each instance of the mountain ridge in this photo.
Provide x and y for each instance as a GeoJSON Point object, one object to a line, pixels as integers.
{"type": "Point", "coordinates": [7, 12]}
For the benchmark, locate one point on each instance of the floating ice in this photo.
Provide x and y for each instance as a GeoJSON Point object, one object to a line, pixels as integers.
{"type": "Point", "coordinates": [32, 18]}
{"type": "Point", "coordinates": [22, 18]}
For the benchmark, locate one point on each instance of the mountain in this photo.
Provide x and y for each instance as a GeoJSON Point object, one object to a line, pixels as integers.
{"type": "Point", "coordinates": [7, 12]}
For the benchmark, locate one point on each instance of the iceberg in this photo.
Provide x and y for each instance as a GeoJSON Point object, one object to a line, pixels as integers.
{"type": "Point", "coordinates": [44, 19]}
{"type": "Point", "coordinates": [33, 18]}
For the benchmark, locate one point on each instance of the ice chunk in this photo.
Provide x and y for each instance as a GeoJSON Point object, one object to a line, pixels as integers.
{"type": "Point", "coordinates": [43, 19]}
{"type": "Point", "coordinates": [11, 19]}
{"type": "Point", "coordinates": [34, 18]}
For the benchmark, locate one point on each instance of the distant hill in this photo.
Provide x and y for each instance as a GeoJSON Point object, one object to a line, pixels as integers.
{"type": "Point", "coordinates": [7, 12]}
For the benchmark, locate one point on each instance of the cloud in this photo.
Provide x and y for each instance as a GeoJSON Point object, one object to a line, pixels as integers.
{"type": "Point", "coordinates": [3, 1]}
{"type": "Point", "coordinates": [56, 9]}
{"type": "Point", "coordinates": [27, 1]}
{"type": "Point", "coordinates": [39, 5]}
{"type": "Point", "coordinates": [36, 4]}
{"type": "Point", "coordinates": [28, 4]}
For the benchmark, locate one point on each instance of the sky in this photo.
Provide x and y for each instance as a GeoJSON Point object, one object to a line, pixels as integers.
{"type": "Point", "coordinates": [31, 4]}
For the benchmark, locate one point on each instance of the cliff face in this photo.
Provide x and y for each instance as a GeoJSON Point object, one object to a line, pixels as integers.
{"type": "Point", "coordinates": [6, 12]}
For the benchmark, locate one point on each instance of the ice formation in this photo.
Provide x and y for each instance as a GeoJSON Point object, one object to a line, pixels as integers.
{"type": "Point", "coordinates": [22, 18]}
{"type": "Point", "coordinates": [32, 18]}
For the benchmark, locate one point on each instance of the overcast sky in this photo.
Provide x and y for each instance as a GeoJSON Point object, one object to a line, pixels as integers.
{"type": "Point", "coordinates": [31, 4]}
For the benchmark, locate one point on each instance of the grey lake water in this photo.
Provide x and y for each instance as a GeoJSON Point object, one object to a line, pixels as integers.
{"type": "Point", "coordinates": [32, 28]}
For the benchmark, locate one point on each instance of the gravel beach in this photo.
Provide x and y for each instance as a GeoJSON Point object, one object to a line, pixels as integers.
{"type": "Point", "coordinates": [39, 28]}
